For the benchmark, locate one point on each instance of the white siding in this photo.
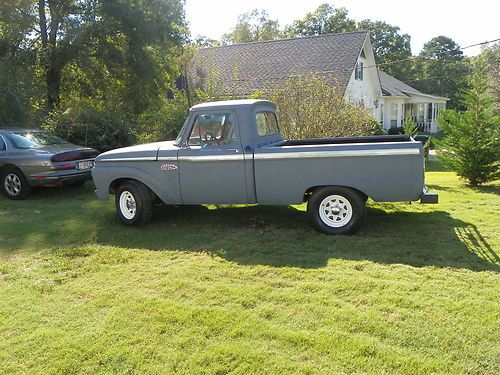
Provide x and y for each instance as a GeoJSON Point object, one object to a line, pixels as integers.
{"type": "Point", "coordinates": [368, 91]}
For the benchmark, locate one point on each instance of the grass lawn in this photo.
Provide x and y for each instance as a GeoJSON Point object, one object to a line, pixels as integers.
{"type": "Point", "coordinates": [251, 290]}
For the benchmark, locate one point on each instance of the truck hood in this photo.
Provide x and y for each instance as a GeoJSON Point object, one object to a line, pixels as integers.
{"type": "Point", "coordinates": [148, 151]}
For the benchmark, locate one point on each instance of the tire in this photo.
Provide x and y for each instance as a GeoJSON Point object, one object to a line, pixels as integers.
{"type": "Point", "coordinates": [14, 184]}
{"type": "Point", "coordinates": [347, 215]}
{"type": "Point", "coordinates": [134, 203]}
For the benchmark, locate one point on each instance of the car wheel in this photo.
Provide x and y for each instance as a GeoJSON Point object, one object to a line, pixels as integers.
{"type": "Point", "coordinates": [134, 203]}
{"type": "Point", "coordinates": [14, 184]}
{"type": "Point", "coordinates": [336, 210]}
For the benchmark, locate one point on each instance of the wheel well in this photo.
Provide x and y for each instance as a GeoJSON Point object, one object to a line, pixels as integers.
{"type": "Point", "coordinates": [309, 192]}
{"type": "Point", "coordinates": [113, 187]}
{"type": "Point", "coordinates": [7, 166]}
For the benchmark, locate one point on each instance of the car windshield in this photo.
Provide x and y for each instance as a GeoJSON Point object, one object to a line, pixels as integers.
{"type": "Point", "coordinates": [34, 139]}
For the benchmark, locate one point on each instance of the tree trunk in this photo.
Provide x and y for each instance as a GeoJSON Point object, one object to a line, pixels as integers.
{"type": "Point", "coordinates": [53, 81]}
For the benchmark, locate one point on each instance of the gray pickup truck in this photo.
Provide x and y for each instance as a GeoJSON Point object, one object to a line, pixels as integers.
{"type": "Point", "coordinates": [232, 152]}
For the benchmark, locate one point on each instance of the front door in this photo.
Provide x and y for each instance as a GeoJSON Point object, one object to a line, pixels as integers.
{"type": "Point", "coordinates": [212, 164]}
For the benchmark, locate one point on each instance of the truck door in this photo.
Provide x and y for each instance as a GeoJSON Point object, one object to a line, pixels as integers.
{"type": "Point", "coordinates": [212, 163]}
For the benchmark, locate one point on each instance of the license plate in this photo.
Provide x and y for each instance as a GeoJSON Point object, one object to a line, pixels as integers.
{"type": "Point", "coordinates": [85, 164]}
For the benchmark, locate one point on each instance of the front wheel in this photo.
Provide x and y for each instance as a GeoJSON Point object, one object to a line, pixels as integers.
{"type": "Point", "coordinates": [134, 203]}
{"type": "Point", "coordinates": [336, 210]}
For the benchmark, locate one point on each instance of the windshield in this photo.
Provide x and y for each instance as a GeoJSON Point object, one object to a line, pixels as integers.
{"type": "Point", "coordinates": [27, 140]}
{"type": "Point", "coordinates": [181, 133]}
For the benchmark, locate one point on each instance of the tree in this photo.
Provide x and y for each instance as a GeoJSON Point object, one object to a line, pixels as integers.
{"type": "Point", "coordinates": [389, 47]}
{"type": "Point", "coordinates": [442, 70]}
{"type": "Point", "coordinates": [326, 19]}
{"type": "Point", "coordinates": [471, 143]}
{"type": "Point", "coordinates": [308, 107]}
{"type": "Point", "coordinates": [251, 27]}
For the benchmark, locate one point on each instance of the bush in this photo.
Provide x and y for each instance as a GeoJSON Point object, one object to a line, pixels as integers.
{"type": "Point", "coordinates": [164, 120]}
{"type": "Point", "coordinates": [102, 130]}
{"type": "Point", "coordinates": [471, 139]}
{"type": "Point", "coordinates": [308, 107]}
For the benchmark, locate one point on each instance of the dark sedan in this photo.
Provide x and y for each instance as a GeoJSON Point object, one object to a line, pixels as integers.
{"type": "Point", "coordinates": [36, 158]}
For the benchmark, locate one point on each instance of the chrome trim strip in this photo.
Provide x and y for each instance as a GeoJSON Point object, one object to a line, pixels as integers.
{"type": "Point", "coordinates": [206, 158]}
{"type": "Point", "coordinates": [167, 158]}
{"type": "Point", "coordinates": [334, 154]}
{"type": "Point", "coordinates": [129, 159]}
{"type": "Point", "coordinates": [350, 144]}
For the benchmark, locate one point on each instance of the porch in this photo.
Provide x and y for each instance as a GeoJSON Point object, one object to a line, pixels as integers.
{"type": "Point", "coordinates": [394, 111]}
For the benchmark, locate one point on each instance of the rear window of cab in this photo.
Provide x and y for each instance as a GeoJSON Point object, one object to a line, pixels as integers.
{"type": "Point", "coordinates": [267, 124]}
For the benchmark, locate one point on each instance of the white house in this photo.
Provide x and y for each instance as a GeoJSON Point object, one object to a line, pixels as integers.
{"type": "Point", "coordinates": [345, 60]}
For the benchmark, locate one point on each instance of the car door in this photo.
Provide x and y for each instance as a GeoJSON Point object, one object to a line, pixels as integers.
{"type": "Point", "coordinates": [211, 162]}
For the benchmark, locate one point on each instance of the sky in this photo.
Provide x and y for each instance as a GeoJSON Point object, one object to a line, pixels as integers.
{"type": "Point", "coordinates": [466, 22]}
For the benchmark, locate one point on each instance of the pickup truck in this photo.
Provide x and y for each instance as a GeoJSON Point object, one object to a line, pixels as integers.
{"type": "Point", "coordinates": [232, 152]}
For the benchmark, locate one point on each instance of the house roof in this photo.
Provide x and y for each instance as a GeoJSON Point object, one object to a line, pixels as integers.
{"type": "Point", "coordinates": [395, 87]}
{"type": "Point", "coordinates": [241, 69]}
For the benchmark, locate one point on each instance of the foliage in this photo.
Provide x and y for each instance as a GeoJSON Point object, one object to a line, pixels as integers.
{"type": "Point", "coordinates": [103, 130]}
{"type": "Point", "coordinates": [163, 121]}
{"type": "Point", "coordinates": [441, 70]}
{"type": "Point", "coordinates": [308, 107]}
{"type": "Point", "coordinates": [251, 27]}
{"type": "Point", "coordinates": [410, 128]}
{"type": "Point", "coordinates": [389, 47]}
{"type": "Point", "coordinates": [471, 142]}
{"type": "Point", "coordinates": [250, 289]}
{"type": "Point", "coordinates": [75, 54]}
{"type": "Point", "coordinates": [326, 19]}
{"type": "Point", "coordinates": [490, 57]}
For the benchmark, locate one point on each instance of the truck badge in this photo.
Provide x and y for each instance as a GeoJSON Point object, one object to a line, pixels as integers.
{"type": "Point", "coordinates": [168, 167]}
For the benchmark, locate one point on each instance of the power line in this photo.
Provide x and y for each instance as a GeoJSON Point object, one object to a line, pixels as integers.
{"type": "Point", "coordinates": [428, 58]}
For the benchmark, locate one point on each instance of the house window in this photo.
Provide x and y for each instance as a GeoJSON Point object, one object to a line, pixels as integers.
{"type": "Point", "coordinates": [358, 71]}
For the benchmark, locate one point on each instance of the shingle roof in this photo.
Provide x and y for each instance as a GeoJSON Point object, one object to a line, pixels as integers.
{"type": "Point", "coordinates": [394, 86]}
{"type": "Point", "coordinates": [241, 69]}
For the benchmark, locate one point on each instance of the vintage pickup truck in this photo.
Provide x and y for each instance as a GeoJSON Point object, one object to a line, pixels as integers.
{"type": "Point", "coordinates": [232, 152]}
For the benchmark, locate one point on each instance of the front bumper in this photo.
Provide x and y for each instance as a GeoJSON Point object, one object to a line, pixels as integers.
{"type": "Point", "coordinates": [59, 179]}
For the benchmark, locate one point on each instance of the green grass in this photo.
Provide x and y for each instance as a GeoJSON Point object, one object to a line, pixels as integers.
{"type": "Point", "coordinates": [251, 290]}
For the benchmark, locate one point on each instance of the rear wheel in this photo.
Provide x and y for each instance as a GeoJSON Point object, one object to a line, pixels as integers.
{"type": "Point", "coordinates": [134, 203]}
{"type": "Point", "coordinates": [336, 210]}
{"type": "Point", "coordinates": [14, 184]}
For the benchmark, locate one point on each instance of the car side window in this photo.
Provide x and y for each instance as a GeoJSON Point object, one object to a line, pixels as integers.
{"type": "Point", "coordinates": [214, 129]}
{"type": "Point", "coordinates": [3, 147]}
{"type": "Point", "coordinates": [267, 124]}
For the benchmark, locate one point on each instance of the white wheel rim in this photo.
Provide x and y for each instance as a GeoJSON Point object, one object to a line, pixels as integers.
{"type": "Point", "coordinates": [335, 211]}
{"type": "Point", "coordinates": [127, 205]}
{"type": "Point", "coordinates": [12, 184]}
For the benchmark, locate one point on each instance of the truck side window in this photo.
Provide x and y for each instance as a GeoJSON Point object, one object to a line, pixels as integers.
{"type": "Point", "coordinates": [215, 129]}
{"type": "Point", "coordinates": [267, 124]}
{"type": "Point", "coordinates": [3, 147]}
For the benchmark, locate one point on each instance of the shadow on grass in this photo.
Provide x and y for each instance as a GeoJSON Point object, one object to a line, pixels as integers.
{"type": "Point", "coordinates": [281, 237]}
{"type": "Point", "coordinates": [249, 235]}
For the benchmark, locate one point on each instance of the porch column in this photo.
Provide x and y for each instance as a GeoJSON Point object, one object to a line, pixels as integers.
{"type": "Point", "coordinates": [399, 115]}
{"type": "Point", "coordinates": [433, 120]}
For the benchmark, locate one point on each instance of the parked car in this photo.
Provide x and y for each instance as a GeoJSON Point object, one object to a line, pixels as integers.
{"type": "Point", "coordinates": [232, 152]}
{"type": "Point", "coordinates": [34, 158]}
